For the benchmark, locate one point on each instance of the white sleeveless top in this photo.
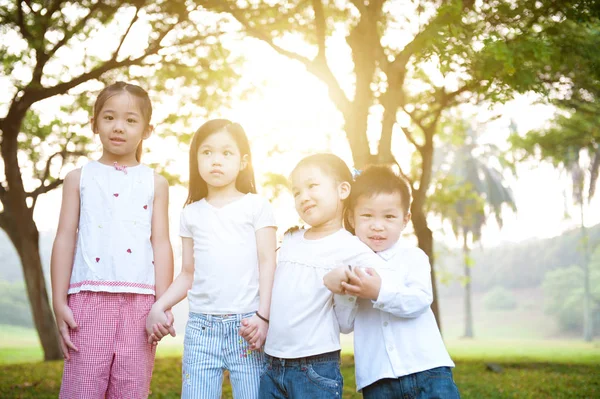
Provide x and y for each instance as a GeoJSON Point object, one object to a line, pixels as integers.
{"type": "Point", "coordinates": [114, 252]}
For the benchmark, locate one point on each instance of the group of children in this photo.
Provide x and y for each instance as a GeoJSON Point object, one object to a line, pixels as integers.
{"type": "Point", "coordinates": [270, 316]}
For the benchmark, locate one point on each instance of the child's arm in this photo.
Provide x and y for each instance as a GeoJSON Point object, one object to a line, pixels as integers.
{"type": "Point", "coordinates": [173, 295]}
{"type": "Point", "coordinates": [344, 306]}
{"type": "Point", "coordinates": [255, 329]}
{"type": "Point", "coordinates": [61, 263]}
{"type": "Point", "coordinates": [408, 298]}
{"type": "Point", "coordinates": [161, 244]}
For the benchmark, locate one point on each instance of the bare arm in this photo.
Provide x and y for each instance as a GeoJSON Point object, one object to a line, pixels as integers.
{"type": "Point", "coordinates": [182, 284]}
{"type": "Point", "coordinates": [61, 263]}
{"type": "Point", "coordinates": [266, 243]}
{"type": "Point", "coordinates": [254, 330]}
{"type": "Point", "coordinates": [161, 244]}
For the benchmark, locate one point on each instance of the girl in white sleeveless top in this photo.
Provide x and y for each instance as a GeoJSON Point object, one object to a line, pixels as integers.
{"type": "Point", "coordinates": [111, 255]}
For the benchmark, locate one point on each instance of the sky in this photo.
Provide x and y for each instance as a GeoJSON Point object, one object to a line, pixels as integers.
{"type": "Point", "coordinates": [290, 110]}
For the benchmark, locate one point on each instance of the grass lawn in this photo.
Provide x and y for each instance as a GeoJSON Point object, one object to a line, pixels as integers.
{"type": "Point", "coordinates": [531, 368]}
{"type": "Point", "coordinates": [518, 380]}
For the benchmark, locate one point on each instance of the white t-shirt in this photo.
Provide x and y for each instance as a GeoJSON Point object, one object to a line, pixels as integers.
{"type": "Point", "coordinates": [114, 252]}
{"type": "Point", "coordinates": [397, 335]}
{"type": "Point", "coordinates": [225, 253]}
{"type": "Point", "coordinates": [303, 321]}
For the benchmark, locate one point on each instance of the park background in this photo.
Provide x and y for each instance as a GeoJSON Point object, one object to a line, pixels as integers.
{"type": "Point", "coordinates": [488, 108]}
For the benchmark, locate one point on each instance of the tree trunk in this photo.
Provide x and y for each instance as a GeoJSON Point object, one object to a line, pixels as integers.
{"type": "Point", "coordinates": [17, 220]}
{"type": "Point", "coordinates": [28, 249]}
{"type": "Point", "coordinates": [425, 238]}
{"type": "Point", "coordinates": [588, 333]}
{"type": "Point", "coordinates": [468, 307]}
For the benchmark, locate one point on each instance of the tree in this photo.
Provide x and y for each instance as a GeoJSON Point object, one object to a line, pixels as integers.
{"type": "Point", "coordinates": [564, 294]}
{"type": "Point", "coordinates": [472, 189]}
{"type": "Point", "coordinates": [416, 59]}
{"type": "Point", "coordinates": [572, 144]}
{"type": "Point", "coordinates": [56, 50]}
{"type": "Point", "coordinates": [572, 141]}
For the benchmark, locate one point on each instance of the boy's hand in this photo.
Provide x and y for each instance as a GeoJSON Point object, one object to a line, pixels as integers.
{"type": "Point", "coordinates": [159, 324]}
{"type": "Point", "coordinates": [254, 331]}
{"type": "Point", "coordinates": [333, 280]}
{"type": "Point", "coordinates": [64, 322]}
{"type": "Point", "coordinates": [362, 284]}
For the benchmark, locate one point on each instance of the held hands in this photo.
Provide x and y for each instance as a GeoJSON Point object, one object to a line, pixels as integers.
{"type": "Point", "coordinates": [363, 284]}
{"type": "Point", "coordinates": [64, 322]}
{"type": "Point", "coordinates": [159, 324]}
{"type": "Point", "coordinates": [333, 280]}
{"type": "Point", "coordinates": [254, 331]}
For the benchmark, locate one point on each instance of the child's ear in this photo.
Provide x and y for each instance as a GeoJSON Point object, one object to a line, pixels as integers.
{"type": "Point", "coordinates": [148, 132]}
{"type": "Point", "coordinates": [344, 190]}
{"type": "Point", "coordinates": [244, 162]}
{"type": "Point", "coordinates": [93, 126]}
{"type": "Point", "coordinates": [406, 218]}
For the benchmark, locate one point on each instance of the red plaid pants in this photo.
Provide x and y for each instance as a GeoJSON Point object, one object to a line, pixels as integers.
{"type": "Point", "coordinates": [114, 358]}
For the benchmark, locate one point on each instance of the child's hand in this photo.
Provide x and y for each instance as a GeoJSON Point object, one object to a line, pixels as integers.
{"type": "Point", "coordinates": [334, 278]}
{"type": "Point", "coordinates": [362, 284]}
{"type": "Point", "coordinates": [64, 322]}
{"type": "Point", "coordinates": [254, 331]}
{"type": "Point", "coordinates": [159, 324]}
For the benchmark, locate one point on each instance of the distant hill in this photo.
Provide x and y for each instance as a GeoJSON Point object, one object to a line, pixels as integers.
{"type": "Point", "coordinates": [520, 265]}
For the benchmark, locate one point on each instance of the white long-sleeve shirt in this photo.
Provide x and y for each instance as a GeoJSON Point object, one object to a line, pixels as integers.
{"type": "Point", "coordinates": [303, 321]}
{"type": "Point", "coordinates": [397, 334]}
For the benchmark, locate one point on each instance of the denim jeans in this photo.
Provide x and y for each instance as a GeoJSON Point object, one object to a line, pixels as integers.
{"type": "Point", "coordinates": [211, 345]}
{"type": "Point", "coordinates": [315, 377]}
{"type": "Point", "coordinates": [435, 383]}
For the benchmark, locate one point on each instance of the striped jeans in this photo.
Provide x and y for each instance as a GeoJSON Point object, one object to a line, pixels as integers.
{"type": "Point", "coordinates": [212, 344]}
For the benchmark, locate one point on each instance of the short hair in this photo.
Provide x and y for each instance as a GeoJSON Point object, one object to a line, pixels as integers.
{"type": "Point", "coordinates": [379, 179]}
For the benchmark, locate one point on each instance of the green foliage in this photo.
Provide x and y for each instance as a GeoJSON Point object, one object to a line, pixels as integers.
{"type": "Point", "coordinates": [14, 307]}
{"type": "Point", "coordinates": [564, 292]}
{"type": "Point", "coordinates": [499, 298]}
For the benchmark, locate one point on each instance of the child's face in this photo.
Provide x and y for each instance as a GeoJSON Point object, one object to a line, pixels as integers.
{"type": "Point", "coordinates": [318, 196]}
{"type": "Point", "coordinates": [120, 125]}
{"type": "Point", "coordinates": [379, 220]}
{"type": "Point", "coordinates": [219, 160]}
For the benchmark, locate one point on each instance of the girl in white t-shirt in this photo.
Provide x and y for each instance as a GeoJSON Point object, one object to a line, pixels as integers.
{"type": "Point", "coordinates": [228, 242]}
{"type": "Point", "coordinates": [303, 344]}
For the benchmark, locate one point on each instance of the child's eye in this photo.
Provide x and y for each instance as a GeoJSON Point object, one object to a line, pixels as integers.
{"type": "Point", "coordinates": [206, 152]}
{"type": "Point", "coordinates": [131, 120]}
{"type": "Point", "coordinates": [296, 193]}
{"type": "Point", "coordinates": [366, 215]}
{"type": "Point", "coordinates": [108, 118]}
{"type": "Point", "coordinates": [227, 153]}
{"type": "Point", "coordinates": [390, 216]}
{"type": "Point", "coordinates": [312, 185]}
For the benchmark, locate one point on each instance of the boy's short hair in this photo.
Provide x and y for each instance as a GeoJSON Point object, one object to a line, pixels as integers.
{"type": "Point", "coordinates": [379, 179]}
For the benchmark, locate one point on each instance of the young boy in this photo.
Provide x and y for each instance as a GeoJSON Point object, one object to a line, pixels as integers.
{"type": "Point", "coordinates": [398, 349]}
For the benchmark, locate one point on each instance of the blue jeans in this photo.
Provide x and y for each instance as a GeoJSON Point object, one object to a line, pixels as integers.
{"type": "Point", "coordinates": [435, 383]}
{"type": "Point", "coordinates": [211, 345]}
{"type": "Point", "coordinates": [315, 377]}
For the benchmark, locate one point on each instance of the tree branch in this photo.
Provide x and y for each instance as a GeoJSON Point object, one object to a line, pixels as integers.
{"type": "Point", "coordinates": [411, 138]}
{"type": "Point", "coordinates": [133, 20]}
{"type": "Point", "coordinates": [21, 23]}
{"type": "Point", "coordinates": [35, 95]}
{"type": "Point", "coordinates": [320, 27]}
{"type": "Point", "coordinates": [318, 67]}
{"type": "Point", "coordinates": [44, 189]}
{"type": "Point", "coordinates": [68, 34]}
